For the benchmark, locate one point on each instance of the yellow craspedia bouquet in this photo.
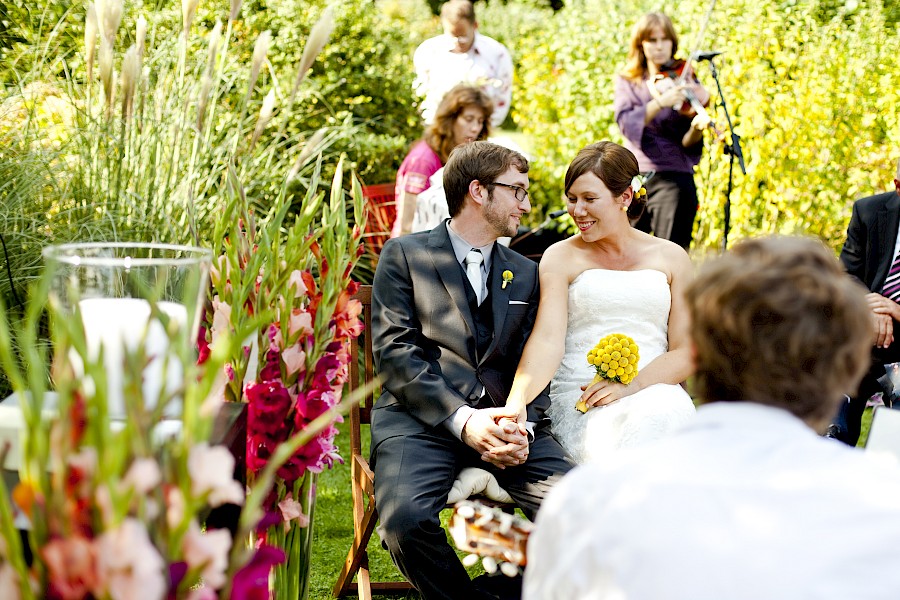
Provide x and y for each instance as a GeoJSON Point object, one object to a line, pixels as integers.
{"type": "Point", "coordinates": [615, 357]}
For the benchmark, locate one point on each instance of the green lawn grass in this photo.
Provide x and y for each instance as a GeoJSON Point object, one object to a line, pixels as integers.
{"type": "Point", "coordinates": [333, 525]}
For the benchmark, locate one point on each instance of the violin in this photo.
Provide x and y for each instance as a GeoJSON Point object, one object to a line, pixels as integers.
{"type": "Point", "coordinates": [679, 73]}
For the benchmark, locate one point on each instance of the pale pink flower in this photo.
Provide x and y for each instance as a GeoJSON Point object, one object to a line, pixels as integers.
{"type": "Point", "coordinates": [174, 507]}
{"type": "Point", "coordinates": [291, 510]}
{"type": "Point", "coordinates": [300, 321]}
{"type": "Point", "coordinates": [295, 280]}
{"type": "Point", "coordinates": [207, 552]}
{"type": "Point", "coordinates": [143, 475]}
{"type": "Point", "coordinates": [294, 359]}
{"type": "Point", "coordinates": [203, 593]}
{"type": "Point", "coordinates": [276, 341]}
{"type": "Point", "coordinates": [212, 471]}
{"type": "Point", "coordinates": [221, 318]}
{"type": "Point", "coordinates": [9, 582]}
{"type": "Point", "coordinates": [128, 565]}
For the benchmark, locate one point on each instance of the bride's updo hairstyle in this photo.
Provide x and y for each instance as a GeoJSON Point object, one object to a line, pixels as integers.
{"type": "Point", "coordinates": [776, 321]}
{"type": "Point", "coordinates": [614, 165]}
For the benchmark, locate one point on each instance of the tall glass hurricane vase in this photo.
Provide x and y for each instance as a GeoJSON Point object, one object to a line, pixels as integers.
{"type": "Point", "coordinates": [134, 298]}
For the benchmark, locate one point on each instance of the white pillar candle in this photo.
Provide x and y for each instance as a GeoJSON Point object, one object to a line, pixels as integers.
{"type": "Point", "coordinates": [120, 323]}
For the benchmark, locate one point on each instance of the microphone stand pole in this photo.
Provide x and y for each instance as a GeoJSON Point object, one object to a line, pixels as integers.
{"type": "Point", "coordinates": [733, 150]}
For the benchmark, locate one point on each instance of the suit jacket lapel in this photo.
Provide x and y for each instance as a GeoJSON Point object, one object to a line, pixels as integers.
{"type": "Point", "coordinates": [451, 276]}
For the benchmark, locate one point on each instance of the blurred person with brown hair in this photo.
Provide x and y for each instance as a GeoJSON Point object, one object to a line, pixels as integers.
{"type": "Point", "coordinates": [463, 116]}
{"type": "Point", "coordinates": [746, 501]}
{"type": "Point", "coordinates": [665, 140]}
{"type": "Point", "coordinates": [462, 55]}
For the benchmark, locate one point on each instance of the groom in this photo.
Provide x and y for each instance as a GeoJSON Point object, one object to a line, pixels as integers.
{"type": "Point", "coordinates": [451, 311]}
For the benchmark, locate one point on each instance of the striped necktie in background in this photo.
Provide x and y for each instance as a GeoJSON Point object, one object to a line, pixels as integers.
{"type": "Point", "coordinates": [892, 283]}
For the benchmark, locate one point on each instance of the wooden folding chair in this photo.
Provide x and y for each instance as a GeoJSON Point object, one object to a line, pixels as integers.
{"type": "Point", "coordinates": [362, 479]}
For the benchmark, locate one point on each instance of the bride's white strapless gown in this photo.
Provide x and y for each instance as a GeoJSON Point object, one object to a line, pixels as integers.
{"type": "Point", "coordinates": [634, 303]}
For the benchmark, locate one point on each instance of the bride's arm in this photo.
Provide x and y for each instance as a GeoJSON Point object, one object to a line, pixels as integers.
{"type": "Point", "coordinates": [674, 366]}
{"type": "Point", "coordinates": [546, 345]}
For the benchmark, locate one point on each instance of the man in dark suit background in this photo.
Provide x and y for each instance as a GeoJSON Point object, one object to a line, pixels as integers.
{"type": "Point", "coordinates": [451, 311]}
{"type": "Point", "coordinates": [871, 255]}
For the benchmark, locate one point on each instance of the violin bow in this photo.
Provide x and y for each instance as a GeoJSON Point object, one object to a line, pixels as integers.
{"type": "Point", "coordinates": [689, 66]}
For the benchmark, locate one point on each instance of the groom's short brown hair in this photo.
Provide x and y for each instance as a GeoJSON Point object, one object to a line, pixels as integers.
{"type": "Point", "coordinates": [481, 161]}
{"type": "Point", "coordinates": [777, 321]}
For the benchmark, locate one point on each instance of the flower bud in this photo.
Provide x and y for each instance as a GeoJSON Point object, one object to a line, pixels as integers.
{"type": "Point", "coordinates": [265, 115]}
{"type": "Point", "coordinates": [260, 49]}
{"type": "Point", "coordinates": [318, 37]}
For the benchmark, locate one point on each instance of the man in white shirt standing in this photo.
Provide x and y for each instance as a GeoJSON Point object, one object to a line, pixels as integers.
{"type": "Point", "coordinates": [462, 55]}
{"type": "Point", "coordinates": [747, 501]}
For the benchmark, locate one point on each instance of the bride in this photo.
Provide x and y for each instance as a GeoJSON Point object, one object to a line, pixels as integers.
{"type": "Point", "coordinates": [608, 278]}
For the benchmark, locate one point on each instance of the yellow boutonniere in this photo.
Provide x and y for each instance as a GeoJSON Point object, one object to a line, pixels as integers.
{"type": "Point", "coordinates": [507, 278]}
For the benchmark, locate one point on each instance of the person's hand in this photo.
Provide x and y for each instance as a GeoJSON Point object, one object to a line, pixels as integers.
{"type": "Point", "coordinates": [884, 330]}
{"type": "Point", "coordinates": [701, 121]}
{"type": "Point", "coordinates": [884, 310]}
{"type": "Point", "coordinates": [602, 393]}
{"type": "Point", "coordinates": [520, 410]}
{"type": "Point", "coordinates": [496, 436]}
{"type": "Point", "coordinates": [672, 97]}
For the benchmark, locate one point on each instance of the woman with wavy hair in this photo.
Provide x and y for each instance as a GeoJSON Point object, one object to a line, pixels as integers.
{"type": "Point", "coordinates": [464, 115]}
{"type": "Point", "coordinates": [665, 140]}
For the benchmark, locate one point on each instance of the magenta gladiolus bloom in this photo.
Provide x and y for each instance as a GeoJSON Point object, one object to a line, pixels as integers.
{"type": "Point", "coordinates": [269, 405]}
{"type": "Point", "coordinates": [252, 581]}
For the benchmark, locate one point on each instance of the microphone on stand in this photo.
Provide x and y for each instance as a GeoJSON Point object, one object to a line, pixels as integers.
{"type": "Point", "coordinates": [706, 55]}
{"type": "Point", "coordinates": [526, 234]}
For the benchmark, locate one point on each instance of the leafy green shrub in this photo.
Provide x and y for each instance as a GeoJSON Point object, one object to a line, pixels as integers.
{"type": "Point", "coordinates": [813, 103]}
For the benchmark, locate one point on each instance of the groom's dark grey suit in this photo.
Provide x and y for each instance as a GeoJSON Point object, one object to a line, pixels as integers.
{"type": "Point", "coordinates": [426, 353]}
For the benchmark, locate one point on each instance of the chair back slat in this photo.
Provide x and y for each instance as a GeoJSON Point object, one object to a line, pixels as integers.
{"type": "Point", "coordinates": [362, 370]}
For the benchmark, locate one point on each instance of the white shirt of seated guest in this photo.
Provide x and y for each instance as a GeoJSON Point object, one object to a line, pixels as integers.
{"type": "Point", "coordinates": [487, 64]}
{"type": "Point", "coordinates": [744, 502]}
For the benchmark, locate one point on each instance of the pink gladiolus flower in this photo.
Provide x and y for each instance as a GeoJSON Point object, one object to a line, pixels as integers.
{"type": "Point", "coordinates": [251, 582]}
{"type": "Point", "coordinates": [207, 552]}
{"type": "Point", "coordinates": [292, 510]}
{"type": "Point", "coordinates": [294, 359]}
{"type": "Point", "coordinates": [203, 349]}
{"type": "Point", "coordinates": [71, 567]}
{"type": "Point", "coordinates": [212, 472]}
{"type": "Point", "coordinates": [128, 565]}
{"type": "Point", "coordinates": [9, 583]}
{"type": "Point", "coordinates": [295, 281]}
{"type": "Point", "coordinates": [174, 506]}
{"type": "Point", "coordinates": [269, 405]}
{"type": "Point", "coordinates": [202, 593]}
{"type": "Point", "coordinates": [276, 342]}
{"type": "Point", "coordinates": [143, 475]}
{"type": "Point", "coordinates": [301, 321]}
{"type": "Point", "coordinates": [221, 318]}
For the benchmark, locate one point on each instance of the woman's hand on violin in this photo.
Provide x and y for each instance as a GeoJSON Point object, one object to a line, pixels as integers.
{"type": "Point", "coordinates": [672, 97]}
{"type": "Point", "coordinates": [701, 121]}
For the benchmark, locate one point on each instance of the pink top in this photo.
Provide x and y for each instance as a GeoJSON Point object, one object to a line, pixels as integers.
{"type": "Point", "coordinates": [419, 165]}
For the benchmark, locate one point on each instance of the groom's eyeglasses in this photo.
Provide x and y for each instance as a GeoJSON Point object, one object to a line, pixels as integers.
{"type": "Point", "coordinates": [521, 193]}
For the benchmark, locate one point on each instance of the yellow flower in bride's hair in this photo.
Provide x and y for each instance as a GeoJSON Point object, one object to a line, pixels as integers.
{"type": "Point", "coordinates": [507, 279]}
{"type": "Point", "coordinates": [615, 357]}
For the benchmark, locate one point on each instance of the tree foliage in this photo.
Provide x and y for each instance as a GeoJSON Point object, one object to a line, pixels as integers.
{"type": "Point", "coordinates": [812, 101]}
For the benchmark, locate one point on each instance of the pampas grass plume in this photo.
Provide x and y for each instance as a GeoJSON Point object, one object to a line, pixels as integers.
{"type": "Point", "coordinates": [90, 39]}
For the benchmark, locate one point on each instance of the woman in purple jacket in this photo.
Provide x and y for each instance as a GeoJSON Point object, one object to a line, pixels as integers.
{"type": "Point", "coordinates": [665, 140]}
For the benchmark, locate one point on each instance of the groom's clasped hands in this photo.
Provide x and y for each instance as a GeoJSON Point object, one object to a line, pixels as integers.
{"type": "Point", "coordinates": [498, 436]}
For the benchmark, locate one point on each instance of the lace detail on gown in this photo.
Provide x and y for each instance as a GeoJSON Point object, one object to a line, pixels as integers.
{"type": "Point", "coordinates": [601, 302]}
